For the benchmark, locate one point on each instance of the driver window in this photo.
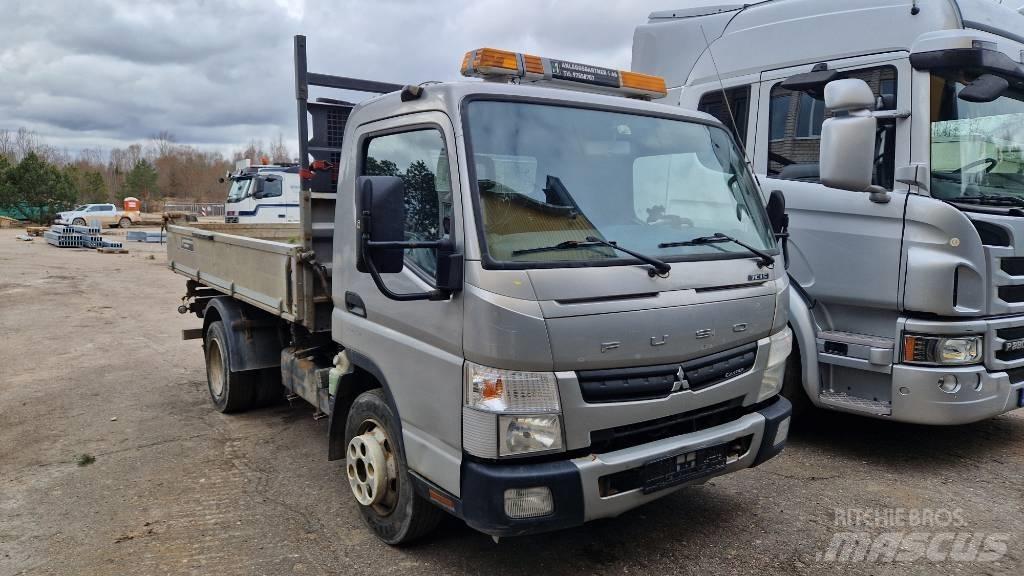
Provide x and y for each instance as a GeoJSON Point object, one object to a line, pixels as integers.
{"type": "Point", "coordinates": [795, 120]}
{"type": "Point", "coordinates": [420, 159]}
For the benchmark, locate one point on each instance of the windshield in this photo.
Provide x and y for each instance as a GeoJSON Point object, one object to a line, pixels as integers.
{"type": "Point", "coordinates": [239, 189]}
{"type": "Point", "coordinates": [548, 175]}
{"type": "Point", "coordinates": [976, 146]}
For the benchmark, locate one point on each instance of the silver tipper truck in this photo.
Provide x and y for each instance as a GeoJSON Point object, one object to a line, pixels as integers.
{"type": "Point", "coordinates": [895, 130]}
{"type": "Point", "coordinates": [526, 306]}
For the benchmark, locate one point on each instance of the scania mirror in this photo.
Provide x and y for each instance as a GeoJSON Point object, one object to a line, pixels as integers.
{"type": "Point", "coordinates": [848, 138]}
{"type": "Point", "coordinates": [985, 88]}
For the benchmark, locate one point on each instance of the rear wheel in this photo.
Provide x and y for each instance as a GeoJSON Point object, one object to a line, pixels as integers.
{"type": "Point", "coordinates": [376, 472]}
{"type": "Point", "coordinates": [230, 391]}
{"type": "Point", "coordinates": [124, 222]}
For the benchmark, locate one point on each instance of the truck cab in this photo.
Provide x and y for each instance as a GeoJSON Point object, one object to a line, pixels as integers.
{"type": "Point", "coordinates": [262, 194]}
{"type": "Point", "coordinates": [904, 238]}
{"type": "Point", "coordinates": [530, 301]}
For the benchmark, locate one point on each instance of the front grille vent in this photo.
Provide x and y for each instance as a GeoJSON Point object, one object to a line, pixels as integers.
{"type": "Point", "coordinates": [650, 382]}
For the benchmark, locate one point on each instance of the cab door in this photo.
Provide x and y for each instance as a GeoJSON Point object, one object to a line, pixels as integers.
{"type": "Point", "coordinates": [415, 345]}
{"type": "Point", "coordinates": [844, 249]}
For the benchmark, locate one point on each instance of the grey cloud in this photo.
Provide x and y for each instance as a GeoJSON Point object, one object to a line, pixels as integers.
{"type": "Point", "coordinates": [215, 73]}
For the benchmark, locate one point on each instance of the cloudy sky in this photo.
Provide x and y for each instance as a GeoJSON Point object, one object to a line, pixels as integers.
{"type": "Point", "coordinates": [217, 73]}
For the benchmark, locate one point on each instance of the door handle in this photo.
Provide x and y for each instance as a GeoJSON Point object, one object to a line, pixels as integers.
{"type": "Point", "coordinates": [354, 304]}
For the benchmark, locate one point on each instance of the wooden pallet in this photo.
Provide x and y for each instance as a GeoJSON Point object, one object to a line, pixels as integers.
{"type": "Point", "coordinates": [112, 250]}
{"type": "Point", "coordinates": [36, 230]}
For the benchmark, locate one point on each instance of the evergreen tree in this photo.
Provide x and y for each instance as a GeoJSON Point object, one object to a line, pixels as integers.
{"type": "Point", "coordinates": [141, 180]}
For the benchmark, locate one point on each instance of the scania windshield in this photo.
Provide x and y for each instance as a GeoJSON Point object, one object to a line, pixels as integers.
{"type": "Point", "coordinates": [976, 146]}
{"type": "Point", "coordinates": [548, 178]}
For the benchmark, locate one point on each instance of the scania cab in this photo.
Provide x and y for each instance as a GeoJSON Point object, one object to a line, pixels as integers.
{"type": "Point", "coordinates": [894, 129]}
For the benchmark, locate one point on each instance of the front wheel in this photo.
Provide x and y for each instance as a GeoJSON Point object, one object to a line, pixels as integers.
{"type": "Point", "coordinates": [124, 222]}
{"type": "Point", "coordinates": [376, 472]}
{"type": "Point", "coordinates": [78, 222]}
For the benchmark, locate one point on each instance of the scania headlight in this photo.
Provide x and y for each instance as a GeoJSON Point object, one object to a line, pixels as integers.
{"type": "Point", "coordinates": [942, 350]}
{"type": "Point", "coordinates": [780, 345]}
{"type": "Point", "coordinates": [510, 412]}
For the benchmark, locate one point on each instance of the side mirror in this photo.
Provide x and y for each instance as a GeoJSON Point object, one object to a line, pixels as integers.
{"type": "Point", "coordinates": [382, 244]}
{"type": "Point", "coordinates": [780, 222]}
{"type": "Point", "coordinates": [382, 206]}
{"type": "Point", "coordinates": [985, 88]}
{"type": "Point", "coordinates": [848, 138]}
{"type": "Point", "coordinates": [777, 212]}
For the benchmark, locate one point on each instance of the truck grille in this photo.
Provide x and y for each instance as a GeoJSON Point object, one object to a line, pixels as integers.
{"type": "Point", "coordinates": [651, 382]}
{"type": "Point", "coordinates": [1010, 334]}
{"type": "Point", "coordinates": [629, 435]}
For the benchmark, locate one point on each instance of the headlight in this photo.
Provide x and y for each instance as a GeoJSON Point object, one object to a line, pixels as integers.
{"type": "Point", "coordinates": [496, 390]}
{"type": "Point", "coordinates": [510, 412]}
{"type": "Point", "coordinates": [780, 345]}
{"type": "Point", "coordinates": [526, 434]}
{"type": "Point", "coordinates": [955, 350]}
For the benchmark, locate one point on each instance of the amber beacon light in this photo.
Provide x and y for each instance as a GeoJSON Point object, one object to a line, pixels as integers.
{"type": "Point", "coordinates": [493, 64]}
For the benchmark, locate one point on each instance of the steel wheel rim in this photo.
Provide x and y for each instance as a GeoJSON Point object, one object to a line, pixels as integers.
{"type": "Point", "coordinates": [371, 468]}
{"type": "Point", "coordinates": [215, 370]}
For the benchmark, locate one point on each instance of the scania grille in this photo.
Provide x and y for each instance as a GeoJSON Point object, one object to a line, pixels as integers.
{"type": "Point", "coordinates": [651, 382]}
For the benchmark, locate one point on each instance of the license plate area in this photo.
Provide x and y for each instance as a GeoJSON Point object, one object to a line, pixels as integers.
{"type": "Point", "coordinates": [674, 470]}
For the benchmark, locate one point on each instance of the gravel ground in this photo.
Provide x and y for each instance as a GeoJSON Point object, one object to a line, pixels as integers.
{"type": "Point", "coordinates": [92, 366]}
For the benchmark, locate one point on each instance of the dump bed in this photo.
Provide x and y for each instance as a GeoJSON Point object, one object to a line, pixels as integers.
{"type": "Point", "coordinates": [255, 263]}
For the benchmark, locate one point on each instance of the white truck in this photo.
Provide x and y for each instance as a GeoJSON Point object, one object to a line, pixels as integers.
{"type": "Point", "coordinates": [524, 306]}
{"type": "Point", "coordinates": [262, 194]}
{"type": "Point", "coordinates": [895, 130]}
{"type": "Point", "coordinates": [99, 214]}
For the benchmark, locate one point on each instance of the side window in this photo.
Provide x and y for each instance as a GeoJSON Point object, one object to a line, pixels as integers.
{"type": "Point", "coordinates": [420, 159]}
{"type": "Point", "coordinates": [795, 120]}
{"type": "Point", "coordinates": [735, 100]}
{"type": "Point", "coordinates": [272, 186]}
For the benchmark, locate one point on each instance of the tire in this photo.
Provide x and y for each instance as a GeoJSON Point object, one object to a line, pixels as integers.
{"type": "Point", "coordinates": [124, 222]}
{"type": "Point", "coordinates": [793, 388]}
{"type": "Point", "coordinates": [78, 222]}
{"type": "Point", "coordinates": [400, 516]}
{"type": "Point", "coordinates": [230, 391]}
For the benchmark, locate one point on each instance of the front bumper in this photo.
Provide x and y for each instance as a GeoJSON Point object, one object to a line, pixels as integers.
{"type": "Point", "coordinates": [576, 484]}
{"type": "Point", "coordinates": [917, 398]}
{"type": "Point", "coordinates": [986, 390]}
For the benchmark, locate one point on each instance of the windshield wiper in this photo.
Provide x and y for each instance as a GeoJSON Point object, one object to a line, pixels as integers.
{"type": "Point", "coordinates": [567, 245]}
{"type": "Point", "coordinates": [990, 200]}
{"type": "Point", "coordinates": [659, 268]}
{"type": "Point", "coordinates": [764, 259]}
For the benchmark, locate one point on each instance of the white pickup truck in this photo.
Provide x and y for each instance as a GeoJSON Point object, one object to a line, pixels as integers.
{"type": "Point", "coordinates": [104, 214]}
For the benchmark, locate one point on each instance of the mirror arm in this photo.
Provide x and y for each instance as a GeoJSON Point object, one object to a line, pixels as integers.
{"type": "Point", "coordinates": [878, 195]}
{"type": "Point", "coordinates": [365, 245]}
{"type": "Point", "coordinates": [891, 114]}
{"type": "Point", "coordinates": [433, 295]}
